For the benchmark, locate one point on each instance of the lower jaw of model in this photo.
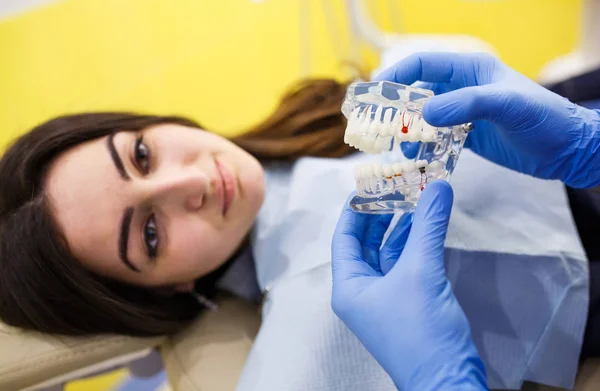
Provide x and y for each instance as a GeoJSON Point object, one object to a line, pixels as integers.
{"type": "Point", "coordinates": [385, 120]}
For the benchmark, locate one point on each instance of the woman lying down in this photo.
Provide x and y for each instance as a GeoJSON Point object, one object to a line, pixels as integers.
{"type": "Point", "coordinates": [125, 223]}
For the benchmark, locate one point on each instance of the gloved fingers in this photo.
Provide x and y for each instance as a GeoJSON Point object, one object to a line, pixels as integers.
{"type": "Point", "coordinates": [463, 105]}
{"type": "Point", "coordinates": [377, 225]}
{"type": "Point", "coordinates": [484, 137]}
{"type": "Point", "coordinates": [469, 141]}
{"type": "Point", "coordinates": [490, 142]}
{"type": "Point", "coordinates": [427, 67]}
{"type": "Point", "coordinates": [394, 245]}
{"type": "Point", "coordinates": [425, 244]}
{"type": "Point", "coordinates": [346, 247]}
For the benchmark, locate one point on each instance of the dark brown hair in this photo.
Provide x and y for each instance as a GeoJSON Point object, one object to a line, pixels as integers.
{"type": "Point", "coordinates": [43, 288]}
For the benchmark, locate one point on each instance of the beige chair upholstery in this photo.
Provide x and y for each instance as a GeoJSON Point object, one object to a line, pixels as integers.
{"type": "Point", "coordinates": [31, 360]}
{"type": "Point", "coordinates": [207, 356]}
{"type": "Point", "coordinates": [210, 354]}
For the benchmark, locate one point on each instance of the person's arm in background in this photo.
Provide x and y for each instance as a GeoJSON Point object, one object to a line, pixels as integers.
{"type": "Point", "coordinates": [398, 301]}
{"type": "Point", "coordinates": [518, 123]}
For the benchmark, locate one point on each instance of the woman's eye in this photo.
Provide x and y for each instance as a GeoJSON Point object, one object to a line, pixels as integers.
{"type": "Point", "coordinates": [142, 156]}
{"type": "Point", "coordinates": [151, 237]}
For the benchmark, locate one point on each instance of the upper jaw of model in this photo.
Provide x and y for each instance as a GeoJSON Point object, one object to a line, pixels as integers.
{"type": "Point", "coordinates": [372, 129]}
{"type": "Point", "coordinates": [383, 119]}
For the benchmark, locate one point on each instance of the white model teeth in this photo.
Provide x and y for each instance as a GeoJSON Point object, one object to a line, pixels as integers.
{"type": "Point", "coordinates": [383, 143]}
{"type": "Point", "coordinates": [387, 171]}
{"type": "Point", "coordinates": [396, 127]}
{"type": "Point", "coordinates": [428, 132]}
{"type": "Point", "coordinates": [436, 169]}
{"type": "Point", "coordinates": [414, 130]}
{"type": "Point", "coordinates": [378, 115]}
{"type": "Point", "coordinates": [351, 128]}
{"type": "Point", "coordinates": [373, 128]}
{"type": "Point", "coordinates": [386, 128]}
{"type": "Point", "coordinates": [405, 177]}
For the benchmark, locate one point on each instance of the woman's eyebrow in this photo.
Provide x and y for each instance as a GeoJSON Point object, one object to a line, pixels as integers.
{"type": "Point", "coordinates": [124, 239]}
{"type": "Point", "coordinates": [112, 150]}
{"type": "Point", "coordinates": [128, 215]}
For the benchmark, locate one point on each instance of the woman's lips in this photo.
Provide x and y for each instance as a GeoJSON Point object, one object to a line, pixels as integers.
{"type": "Point", "coordinates": [228, 186]}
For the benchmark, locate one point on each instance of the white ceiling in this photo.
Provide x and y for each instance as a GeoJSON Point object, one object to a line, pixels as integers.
{"type": "Point", "coordinates": [13, 7]}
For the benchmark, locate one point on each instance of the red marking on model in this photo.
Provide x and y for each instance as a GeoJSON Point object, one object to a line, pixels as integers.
{"type": "Point", "coordinates": [405, 127]}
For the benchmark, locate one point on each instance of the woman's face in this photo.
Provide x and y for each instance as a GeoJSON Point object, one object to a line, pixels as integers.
{"type": "Point", "coordinates": [160, 207]}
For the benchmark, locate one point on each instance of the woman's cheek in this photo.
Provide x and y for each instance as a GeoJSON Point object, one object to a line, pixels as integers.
{"type": "Point", "coordinates": [203, 250]}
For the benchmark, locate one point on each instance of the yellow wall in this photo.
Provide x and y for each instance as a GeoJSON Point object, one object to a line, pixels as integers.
{"type": "Point", "coordinates": [226, 62]}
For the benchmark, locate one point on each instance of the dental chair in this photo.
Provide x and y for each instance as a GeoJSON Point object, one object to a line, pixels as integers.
{"type": "Point", "coordinates": [208, 355]}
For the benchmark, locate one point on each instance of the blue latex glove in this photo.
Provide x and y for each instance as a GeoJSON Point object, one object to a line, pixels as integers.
{"type": "Point", "coordinates": [397, 300]}
{"type": "Point", "coordinates": [518, 123]}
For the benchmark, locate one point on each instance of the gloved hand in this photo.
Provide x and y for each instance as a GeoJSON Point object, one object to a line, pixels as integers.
{"type": "Point", "coordinates": [518, 123]}
{"type": "Point", "coordinates": [397, 300]}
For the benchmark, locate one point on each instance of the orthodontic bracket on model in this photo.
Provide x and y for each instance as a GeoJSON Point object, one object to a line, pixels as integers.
{"type": "Point", "coordinates": [385, 120]}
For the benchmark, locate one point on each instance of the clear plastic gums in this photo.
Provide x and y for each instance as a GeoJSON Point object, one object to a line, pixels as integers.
{"type": "Point", "coordinates": [385, 120]}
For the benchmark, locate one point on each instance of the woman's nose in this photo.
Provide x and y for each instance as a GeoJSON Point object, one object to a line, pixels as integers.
{"type": "Point", "coordinates": [187, 189]}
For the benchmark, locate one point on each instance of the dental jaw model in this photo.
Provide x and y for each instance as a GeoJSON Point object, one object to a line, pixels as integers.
{"type": "Point", "coordinates": [385, 120]}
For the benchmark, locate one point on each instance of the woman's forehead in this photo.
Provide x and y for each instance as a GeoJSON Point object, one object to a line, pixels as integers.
{"type": "Point", "coordinates": [86, 194]}
{"type": "Point", "coordinates": [82, 174]}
